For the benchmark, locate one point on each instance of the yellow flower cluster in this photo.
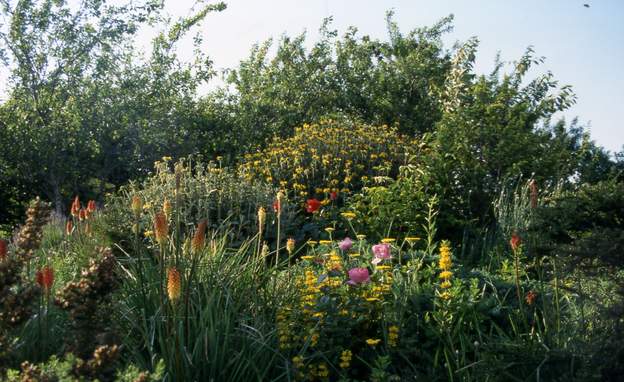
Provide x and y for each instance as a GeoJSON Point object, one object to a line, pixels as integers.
{"type": "Point", "coordinates": [308, 299]}
{"type": "Point", "coordinates": [334, 263]}
{"type": "Point", "coordinates": [393, 336]}
{"type": "Point", "coordinates": [445, 264]}
{"type": "Point", "coordinates": [329, 158]}
{"type": "Point", "coordinates": [284, 334]}
{"type": "Point", "coordinates": [345, 359]}
{"type": "Point", "coordinates": [373, 341]}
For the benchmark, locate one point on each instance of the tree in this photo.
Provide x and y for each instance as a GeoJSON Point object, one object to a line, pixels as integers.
{"type": "Point", "coordinates": [84, 111]}
{"type": "Point", "coordinates": [498, 127]}
{"type": "Point", "coordinates": [50, 49]}
{"type": "Point", "coordinates": [378, 82]}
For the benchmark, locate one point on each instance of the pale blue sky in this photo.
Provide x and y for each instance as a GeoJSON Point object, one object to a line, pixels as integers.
{"type": "Point", "coordinates": [584, 47]}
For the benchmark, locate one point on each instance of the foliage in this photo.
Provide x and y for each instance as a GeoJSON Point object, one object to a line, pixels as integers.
{"type": "Point", "coordinates": [394, 209]}
{"type": "Point", "coordinates": [399, 145]}
{"type": "Point", "coordinates": [196, 303]}
{"type": "Point", "coordinates": [331, 158]}
{"type": "Point", "coordinates": [490, 132]}
{"type": "Point", "coordinates": [64, 370]}
{"type": "Point", "coordinates": [85, 112]}
{"type": "Point", "coordinates": [584, 226]}
{"type": "Point", "coordinates": [379, 82]}
{"type": "Point", "coordinates": [196, 192]}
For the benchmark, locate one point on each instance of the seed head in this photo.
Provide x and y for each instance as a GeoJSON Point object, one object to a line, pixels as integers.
{"type": "Point", "coordinates": [261, 218]}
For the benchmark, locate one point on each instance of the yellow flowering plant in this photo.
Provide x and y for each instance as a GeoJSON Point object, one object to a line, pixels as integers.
{"type": "Point", "coordinates": [341, 311]}
{"type": "Point", "coordinates": [330, 159]}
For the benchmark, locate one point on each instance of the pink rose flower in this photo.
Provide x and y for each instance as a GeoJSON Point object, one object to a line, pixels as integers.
{"type": "Point", "coordinates": [382, 252]}
{"type": "Point", "coordinates": [345, 244]}
{"type": "Point", "coordinates": [358, 276]}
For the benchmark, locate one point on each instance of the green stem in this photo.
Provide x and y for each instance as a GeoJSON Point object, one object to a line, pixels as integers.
{"type": "Point", "coordinates": [279, 225]}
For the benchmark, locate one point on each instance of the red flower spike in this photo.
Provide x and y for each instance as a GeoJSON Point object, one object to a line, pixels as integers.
{"type": "Point", "coordinates": [333, 195]}
{"type": "Point", "coordinates": [312, 205]}
{"type": "Point", "coordinates": [48, 278]}
{"type": "Point", "coordinates": [277, 206]}
{"type": "Point", "coordinates": [3, 249]}
{"type": "Point", "coordinates": [69, 227]}
{"type": "Point", "coordinates": [75, 207]}
{"type": "Point", "coordinates": [515, 241]}
{"type": "Point", "coordinates": [91, 206]}
{"type": "Point", "coordinates": [83, 214]}
{"type": "Point", "coordinates": [530, 297]}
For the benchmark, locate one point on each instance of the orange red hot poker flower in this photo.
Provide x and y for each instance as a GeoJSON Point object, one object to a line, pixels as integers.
{"type": "Point", "coordinates": [199, 238]}
{"type": "Point", "coordinates": [69, 227]}
{"type": "Point", "coordinates": [91, 206]}
{"type": "Point", "coordinates": [515, 241]}
{"type": "Point", "coordinates": [161, 228]}
{"type": "Point", "coordinates": [3, 249]}
{"type": "Point", "coordinates": [45, 278]}
{"type": "Point", "coordinates": [75, 207]}
{"type": "Point", "coordinates": [173, 284]}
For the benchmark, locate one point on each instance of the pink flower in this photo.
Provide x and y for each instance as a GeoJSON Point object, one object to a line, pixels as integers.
{"type": "Point", "coordinates": [358, 276]}
{"type": "Point", "coordinates": [382, 252]}
{"type": "Point", "coordinates": [345, 244]}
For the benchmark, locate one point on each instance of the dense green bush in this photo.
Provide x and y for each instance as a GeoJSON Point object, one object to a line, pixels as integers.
{"type": "Point", "coordinates": [392, 208]}
{"type": "Point", "coordinates": [327, 159]}
{"type": "Point", "coordinates": [196, 192]}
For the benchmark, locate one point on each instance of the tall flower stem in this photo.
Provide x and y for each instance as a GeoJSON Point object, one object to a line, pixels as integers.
{"type": "Point", "coordinates": [279, 225]}
{"type": "Point", "coordinates": [516, 252]}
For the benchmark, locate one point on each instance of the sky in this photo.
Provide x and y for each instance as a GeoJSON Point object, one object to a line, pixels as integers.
{"type": "Point", "coordinates": [583, 47]}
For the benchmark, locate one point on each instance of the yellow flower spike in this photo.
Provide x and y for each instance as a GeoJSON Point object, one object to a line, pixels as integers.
{"type": "Point", "coordinates": [360, 237]}
{"type": "Point", "coordinates": [446, 275]}
{"type": "Point", "coordinates": [388, 240]}
{"type": "Point", "coordinates": [445, 295]}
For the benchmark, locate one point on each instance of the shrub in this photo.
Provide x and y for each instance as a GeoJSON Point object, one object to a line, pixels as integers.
{"type": "Point", "coordinates": [394, 208]}
{"type": "Point", "coordinates": [329, 158]}
{"type": "Point", "coordinates": [194, 192]}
